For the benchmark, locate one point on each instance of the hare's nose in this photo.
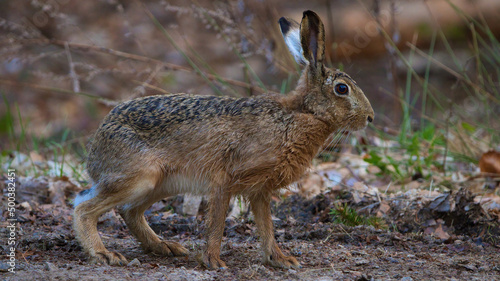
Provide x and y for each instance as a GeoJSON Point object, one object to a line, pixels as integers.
{"type": "Point", "coordinates": [370, 119]}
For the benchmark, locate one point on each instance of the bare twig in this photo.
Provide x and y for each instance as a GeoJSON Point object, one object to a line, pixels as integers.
{"type": "Point", "coordinates": [139, 90]}
{"type": "Point", "coordinates": [446, 139]}
{"type": "Point", "coordinates": [389, 185]}
{"type": "Point", "coordinates": [153, 87]}
{"type": "Point", "coordinates": [166, 65]}
{"type": "Point", "coordinates": [72, 73]}
{"type": "Point", "coordinates": [105, 101]}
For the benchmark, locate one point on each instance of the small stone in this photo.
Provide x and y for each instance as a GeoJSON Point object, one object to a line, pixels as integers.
{"type": "Point", "coordinates": [407, 278]}
{"type": "Point", "coordinates": [373, 169]}
{"type": "Point", "coordinates": [393, 260]}
{"type": "Point", "coordinates": [134, 262]}
{"type": "Point", "coordinates": [25, 205]}
{"type": "Point", "coordinates": [50, 266]}
{"type": "Point", "coordinates": [360, 262]}
{"type": "Point", "coordinates": [391, 168]}
{"type": "Point", "coordinates": [364, 277]}
{"type": "Point", "coordinates": [191, 205]}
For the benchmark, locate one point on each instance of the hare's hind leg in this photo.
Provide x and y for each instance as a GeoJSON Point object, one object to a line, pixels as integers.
{"type": "Point", "coordinates": [137, 224]}
{"type": "Point", "coordinates": [272, 254]}
{"type": "Point", "coordinates": [89, 207]}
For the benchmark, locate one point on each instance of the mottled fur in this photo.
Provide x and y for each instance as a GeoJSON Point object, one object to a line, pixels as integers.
{"type": "Point", "coordinates": [158, 146]}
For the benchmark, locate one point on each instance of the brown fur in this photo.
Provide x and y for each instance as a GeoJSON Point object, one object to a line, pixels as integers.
{"type": "Point", "coordinates": [158, 146]}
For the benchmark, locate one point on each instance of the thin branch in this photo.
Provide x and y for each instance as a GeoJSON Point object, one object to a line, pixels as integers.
{"type": "Point", "coordinates": [139, 90]}
{"type": "Point", "coordinates": [147, 85]}
{"type": "Point", "coordinates": [105, 101]}
{"type": "Point", "coordinates": [166, 65]}
{"type": "Point", "coordinates": [72, 73]}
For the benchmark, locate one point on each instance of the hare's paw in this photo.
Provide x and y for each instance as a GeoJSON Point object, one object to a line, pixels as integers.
{"type": "Point", "coordinates": [108, 257]}
{"type": "Point", "coordinates": [210, 261]}
{"type": "Point", "coordinates": [282, 261]}
{"type": "Point", "coordinates": [169, 248]}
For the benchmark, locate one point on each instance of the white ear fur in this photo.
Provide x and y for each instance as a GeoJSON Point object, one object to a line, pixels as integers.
{"type": "Point", "coordinates": [291, 33]}
{"type": "Point", "coordinates": [295, 47]}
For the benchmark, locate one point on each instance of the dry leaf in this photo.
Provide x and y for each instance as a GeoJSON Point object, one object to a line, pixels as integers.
{"type": "Point", "coordinates": [441, 203]}
{"type": "Point", "coordinates": [490, 162]}
{"type": "Point", "coordinates": [440, 233]}
{"type": "Point", "coordinates": [56, 193]}
{"type": "Point", "coordinates": [384, 207]}
{"type": "Point", "coordinates": [312, 185]}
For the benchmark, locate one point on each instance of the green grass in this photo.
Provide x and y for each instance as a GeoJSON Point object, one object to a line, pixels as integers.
{"type": "Point", "coordinates": [442, 129]}
{"type": "Point", "coordinates": [419, 154]}
{"type": "Point", "coordinates": [346, 215]}
{"type": "Point", "coordinates": [62, 157]}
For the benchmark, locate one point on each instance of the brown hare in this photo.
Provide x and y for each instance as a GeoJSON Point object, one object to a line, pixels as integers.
{"type": "Point", "coordinates": [158, 146]}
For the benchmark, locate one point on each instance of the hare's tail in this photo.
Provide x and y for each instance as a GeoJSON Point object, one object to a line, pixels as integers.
{"type": "Point", "coordinates": [85, 195]}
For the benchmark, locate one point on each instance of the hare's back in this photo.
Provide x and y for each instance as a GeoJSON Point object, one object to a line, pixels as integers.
{"type": "Point", "coordinates": [162, 112]}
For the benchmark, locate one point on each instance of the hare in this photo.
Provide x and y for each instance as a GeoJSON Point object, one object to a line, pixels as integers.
{"type": "Point", "coordinates": [153, 147]}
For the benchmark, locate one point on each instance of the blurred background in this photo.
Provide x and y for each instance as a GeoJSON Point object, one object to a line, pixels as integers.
{"type": "Point", "coordinates": [431, 69]}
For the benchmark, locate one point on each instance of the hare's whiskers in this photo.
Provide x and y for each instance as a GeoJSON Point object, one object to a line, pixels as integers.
{"type": "Point", "coordinates": [336, 135]}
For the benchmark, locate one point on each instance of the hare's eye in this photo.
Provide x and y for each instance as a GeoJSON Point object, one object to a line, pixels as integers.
{"type": "Point", "coordinates": [341, 89]}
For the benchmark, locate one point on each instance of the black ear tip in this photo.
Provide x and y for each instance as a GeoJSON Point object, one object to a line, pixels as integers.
{"type": "Point", "coordinates": [309, 13]}
{"type": "Point", "coordinates": [284, 25]}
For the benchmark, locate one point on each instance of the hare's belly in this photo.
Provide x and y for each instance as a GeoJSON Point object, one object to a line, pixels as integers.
{"type": "Point", "coordinates": [175, 184]}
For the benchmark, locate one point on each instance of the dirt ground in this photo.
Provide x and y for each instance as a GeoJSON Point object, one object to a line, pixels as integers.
{"type": "Point", "coordinates": [47, 249]}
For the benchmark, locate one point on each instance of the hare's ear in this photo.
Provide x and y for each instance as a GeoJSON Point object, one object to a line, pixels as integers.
{"type": "Point", "coordinates": [291, 33]}
{"type": "Point", "coordinates": [312, 38]}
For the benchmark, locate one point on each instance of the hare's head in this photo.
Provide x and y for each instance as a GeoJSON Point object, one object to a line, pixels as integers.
{"type": "Point", "coordinates": [330, 95]}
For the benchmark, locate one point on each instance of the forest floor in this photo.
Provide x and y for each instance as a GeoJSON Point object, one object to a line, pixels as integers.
{"type": "Point", "coordinates": [423, 234]}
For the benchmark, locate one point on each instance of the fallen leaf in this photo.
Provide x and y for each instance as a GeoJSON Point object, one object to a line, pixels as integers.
{"type": "Point", "coordinates": [36, 157]}
{"type": "Point", "coordinates": [440, 233]}
{"type": "Point", "coordinates": [429, 230]}
{"type": "Point", "coordinates": [359, 186]}
{"type": "Point", "coordinates": [490, 162]}
{"type": "Point", "coordinates": [384, 207]}
{"type": "Point", "coordinates": [430, 222]}
{"type": "Point", "coordinates": [371, 238]}
{"type": "Point", "coordinates": [441, 203]}
{"type": "Point", "coordinates": [373, 169]}
{"type": "Point", "coordinates": [355, 197]}
{"type": "Point", "coordinates": [57, 192]}
{"type": "Point", "coordinates": [414, 185]}
{"type": "Point", "coordinates": [312, 185]}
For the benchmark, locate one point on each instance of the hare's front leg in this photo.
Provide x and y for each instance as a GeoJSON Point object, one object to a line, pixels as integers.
{"type": "Point", "coordinates": [216, 217]}
{"type": "Point", "coordinates": [272, 254]}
